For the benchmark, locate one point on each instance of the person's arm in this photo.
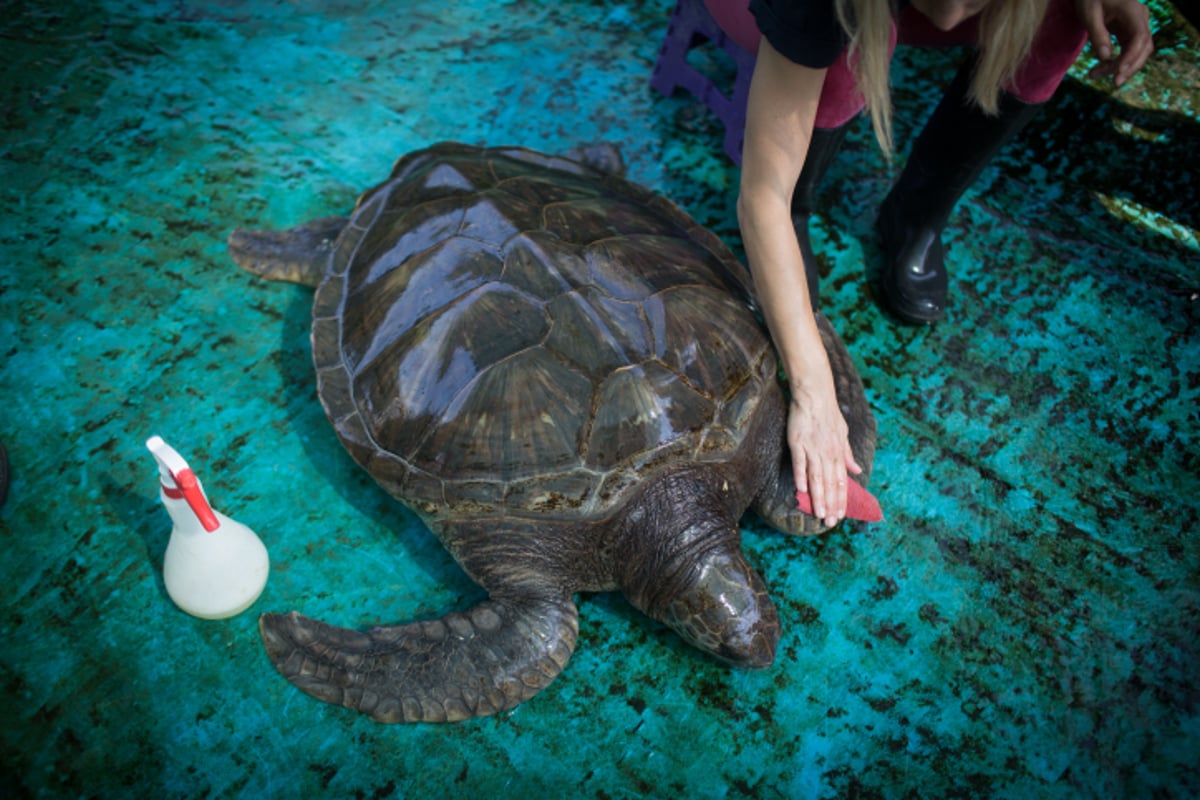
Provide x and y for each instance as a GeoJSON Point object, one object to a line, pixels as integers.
{"type": "Point", "coordinates": [779, 123]}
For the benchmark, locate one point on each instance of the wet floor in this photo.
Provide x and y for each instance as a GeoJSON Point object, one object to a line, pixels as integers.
{"type": "Point", "coordinates": [1025, 623]}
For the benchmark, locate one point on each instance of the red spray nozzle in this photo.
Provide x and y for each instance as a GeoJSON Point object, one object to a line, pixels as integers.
{"type": "Point", "coordinates": [190, 488]}
{"type": "Point", "coordinates": [179, 482]}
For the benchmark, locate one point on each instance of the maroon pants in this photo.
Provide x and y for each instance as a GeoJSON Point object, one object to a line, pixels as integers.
{"type": "Point", "coordinates": [1057, 44]}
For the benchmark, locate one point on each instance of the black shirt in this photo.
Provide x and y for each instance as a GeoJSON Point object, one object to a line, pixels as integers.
{"type": "Point", "coordinates": [806, 32]}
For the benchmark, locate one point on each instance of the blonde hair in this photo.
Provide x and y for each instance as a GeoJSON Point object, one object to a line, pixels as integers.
{"type": "Point", "coordinates": [1006, 31]}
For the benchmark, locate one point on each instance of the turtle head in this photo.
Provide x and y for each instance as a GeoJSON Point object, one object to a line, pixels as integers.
{"type": "Point", "coordinates": [722, 607]}
{"type": "Point", "coordinates": [699, 583]}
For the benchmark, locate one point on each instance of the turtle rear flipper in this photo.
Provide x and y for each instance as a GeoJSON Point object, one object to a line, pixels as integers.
{"type": "Point", "coordinates": [473, 664]}
{"type": "Point", "coordinates": [299, 254]}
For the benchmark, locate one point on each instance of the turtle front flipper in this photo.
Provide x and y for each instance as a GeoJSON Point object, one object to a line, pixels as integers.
{"type": "Point", "coordinates": [776, 502]}
{"type": "Point", "coordinates": [486, 660]}
{"type": "Point", "coordinates": [299, 254]}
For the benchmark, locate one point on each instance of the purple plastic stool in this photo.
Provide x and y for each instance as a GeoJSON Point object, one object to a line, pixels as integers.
{"type": "Point", "coordinates": [691, 24]}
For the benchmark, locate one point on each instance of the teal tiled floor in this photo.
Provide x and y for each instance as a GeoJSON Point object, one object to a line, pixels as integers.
{"type": "Point", "coordinates": [1026, 623]}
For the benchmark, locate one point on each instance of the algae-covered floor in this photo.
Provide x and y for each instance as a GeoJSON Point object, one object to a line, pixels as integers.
{"type": "Point", "coordinates": [1025, 623]}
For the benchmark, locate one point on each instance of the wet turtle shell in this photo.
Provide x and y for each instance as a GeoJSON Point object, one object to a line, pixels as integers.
{"type": "Point", "coordinates": [504, 331]}
{"type": "Point", "coordinates": [563, 374]}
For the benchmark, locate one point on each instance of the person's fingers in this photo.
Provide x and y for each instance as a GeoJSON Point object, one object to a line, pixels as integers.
{"type": "Point", "coordinates": [825, 476]}
{"type": "Point", "coordinates": [1130, 24]}
{"type": "Point", "coordinates": [1135, 49]}
{"type": "Point", "coordinates": [816, 488]}
{"type": "Point", "coordinates": [840, 492]}
{"type": "Point", "coordinates": [821, 459]}
{"type": "Point", "coordinates": [1092, 18]}
{"type": "Point", "coordinates": [851, 463]}
{"type": "Point", "coordinates": [800, 470]}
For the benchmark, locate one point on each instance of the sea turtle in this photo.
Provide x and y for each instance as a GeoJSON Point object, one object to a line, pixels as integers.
{"type": "Point", "coordinates": [563, 375]}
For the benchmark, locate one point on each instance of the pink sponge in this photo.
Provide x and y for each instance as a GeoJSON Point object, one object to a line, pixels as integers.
{"type": "Point", "coordinates": [860, 504]}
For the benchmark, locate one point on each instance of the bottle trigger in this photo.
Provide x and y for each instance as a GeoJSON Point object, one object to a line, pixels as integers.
{"type": "Point", "coordinates": [187, 483]}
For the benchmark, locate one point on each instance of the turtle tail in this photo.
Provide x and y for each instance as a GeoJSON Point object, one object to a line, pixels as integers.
{"type": "Point", "coordinates": [473, 664]}
{"type": "Point", "coordinates": [299, 254]}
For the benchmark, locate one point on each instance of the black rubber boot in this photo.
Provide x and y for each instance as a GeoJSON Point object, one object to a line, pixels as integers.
{"type": "Point", "coordinates": [821, 151]}
{"type": "Point", "coordinates": [958, 141]}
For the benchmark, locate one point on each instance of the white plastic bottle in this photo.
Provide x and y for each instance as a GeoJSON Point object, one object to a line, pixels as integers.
{"type": "Point", "coordinates": [215, 567]}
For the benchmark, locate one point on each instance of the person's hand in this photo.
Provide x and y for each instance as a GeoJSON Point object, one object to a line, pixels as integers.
{"type": "Point", "coordinates": [1129, 22]}
{"type": "Point", "coordinates": [818, 438]}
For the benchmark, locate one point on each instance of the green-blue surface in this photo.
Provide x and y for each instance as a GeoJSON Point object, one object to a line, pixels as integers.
{"type": "Point", "coordinates": [1026, 623]}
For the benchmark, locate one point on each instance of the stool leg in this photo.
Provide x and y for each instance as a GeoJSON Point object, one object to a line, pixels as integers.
{"type": "Point", "coordinates": [735, 116]}
{"type": "Point", "coordinates": [690, 24]}
{"type": "Point", "coordinates": [671, 67]}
